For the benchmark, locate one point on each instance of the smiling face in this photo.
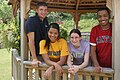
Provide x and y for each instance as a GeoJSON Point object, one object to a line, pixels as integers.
{"type": "Point", "coordinates": [75, 39]}
{"type": "Point", "coordinates": [103, 18]}
{"type": "Point", "coordinates": [42, 12]}
{"type": "Point", "coordinates": [53, 34]}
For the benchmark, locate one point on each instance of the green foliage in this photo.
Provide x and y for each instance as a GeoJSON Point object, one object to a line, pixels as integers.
{"type": "Point", "coordinates": [85, 25]}
{"type": "Point", "coordinates": [63, 33]}
{"type": "Point", "coordinates": [54, 17]}
{"type": "Point", "coordinates": [66, 16]}
{"type": "Point", "coordinates": [58, 16]}
{"type": "Point", "coordinates": [5, 12]}
{"type": "Point", "coordinates": [10, 31]}
{"type": "Point", "coordinates": [68, 25]}
{"type": "Point", "coordinates": [11, 36]}
{"type": "Point", "coordinates": [89, 16]}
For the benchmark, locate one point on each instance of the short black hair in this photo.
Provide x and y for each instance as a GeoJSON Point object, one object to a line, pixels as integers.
{"type": "Point", "coordinates": [101, 9]}
{"type": "Point", "coordinates": [42, 4]}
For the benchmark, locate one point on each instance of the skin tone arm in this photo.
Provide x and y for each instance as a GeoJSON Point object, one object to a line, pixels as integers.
{"type": "Point", "coordinates": [53, 65]}
{"type": "Point", "coordinates": [35, 62]}
{"type": "Point", "coordinates": [69, 61]}
{"type": "Point", "coordinates": [49, 62]}
{"type": "Point", "coordinates": [75, 68]}
{"type": "Point", "coordinates": [94, 59]}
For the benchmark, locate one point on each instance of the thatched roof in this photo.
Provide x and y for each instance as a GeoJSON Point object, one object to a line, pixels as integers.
{"type": "Point", "coordinates": [69, 6]}
{"type": "Point", "coordinates": [75, 7]}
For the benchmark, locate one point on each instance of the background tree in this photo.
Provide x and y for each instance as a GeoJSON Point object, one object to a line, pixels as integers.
{"type": "Point", "coordinates": [10, 27]}
{"type": "Point", "coordinates": [5, 12]}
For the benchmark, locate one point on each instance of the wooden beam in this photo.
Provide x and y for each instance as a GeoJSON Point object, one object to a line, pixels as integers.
{"type": "Point", "coordinates": [27, 7]}
{"type": "Point", "coordinates": [66, 10]}
{"type": "Point", "coordinates": [78, 1]}
{"type": "Point", "coordinates": [23, 47]}
{"type": "Point", "coordinates": [109, 4]}
{"type": "Point", "coordinates": [116, 38]}
{"type": "Point", "coordinates": [76, 17]}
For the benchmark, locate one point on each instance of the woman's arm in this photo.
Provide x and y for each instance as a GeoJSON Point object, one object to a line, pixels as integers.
{"type": "Point", "coordinates": [62, 60]}
{"type": "Point", "coordinates": [86, 60]}
{"type": "Point", "coordinates": [76, 68]}
{"type": "Point", "coordinates": [69, 61]}
{"type": "Point", "coordinates": [47, 60]}
{"type": "Point", "coordinates": [55, 65]}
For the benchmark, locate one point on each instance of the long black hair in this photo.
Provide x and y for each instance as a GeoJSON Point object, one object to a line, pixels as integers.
{"type": "Point", "coordinates": [75, 31]}
{"type": "Point", "coordinates": [52, 25]}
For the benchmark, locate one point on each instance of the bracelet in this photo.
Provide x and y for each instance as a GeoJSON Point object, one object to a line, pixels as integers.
{"type": "Point", "coordinates": [35, 59]}
{"type": "Point", "coordinates": [79, 67]}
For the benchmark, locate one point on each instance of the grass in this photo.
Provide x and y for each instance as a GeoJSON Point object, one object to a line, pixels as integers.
{"type": "Point", "coordinates": [5, 65]}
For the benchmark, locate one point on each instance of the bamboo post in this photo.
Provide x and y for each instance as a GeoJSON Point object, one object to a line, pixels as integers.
{"type": "Point", "coordinates": [105, 78]}
{"type": "Point", "coordinates": [116, 38]}
{"type": "Point", "coordinates": [71, 77]}
{"type": "Point", "coordinates": [57, 77]}
{"type": "Point", "coordinates": [96, 77]}
{"type": "Point", "coordinates": [24, 71]}
{"type": "Point", "coordinates": [36, 74]}
{"type": "Point", "coordinates": [30, 74]}
{"type": "Point", "coordinates": [42, 74]}
{"type": "Point", "coordinates": [80, 77]}
{"type": "Point", "coordinates": [65, 76]}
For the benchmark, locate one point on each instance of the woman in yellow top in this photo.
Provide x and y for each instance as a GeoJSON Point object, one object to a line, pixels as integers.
{"type": "Point", "coordinates": [54, 50]}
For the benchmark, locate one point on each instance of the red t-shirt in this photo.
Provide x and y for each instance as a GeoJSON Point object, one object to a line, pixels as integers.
{"type": "Point", "coordinates": [103, 40]}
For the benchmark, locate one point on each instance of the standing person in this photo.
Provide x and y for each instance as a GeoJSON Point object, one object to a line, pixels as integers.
{"type": "Point", "coordinates": [54, 50]}
{"type": "Point", "coordinates": [36, 28]}
{"type": "Point", "coordinates": [79, 51]}
{"type": "Point", "coordinates": [101, 41]}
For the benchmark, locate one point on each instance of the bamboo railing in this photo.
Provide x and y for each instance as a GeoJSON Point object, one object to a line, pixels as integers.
{"type": "Point", "coordinates": [16, 65]}
{"type": "Point", "coordinates": [33, 73]}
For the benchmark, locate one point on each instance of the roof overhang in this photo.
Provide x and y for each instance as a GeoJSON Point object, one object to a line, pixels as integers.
{"type": "Point", "coordinates": [69, 6]}
{"type": "Point", "coordinates": [74, 7]}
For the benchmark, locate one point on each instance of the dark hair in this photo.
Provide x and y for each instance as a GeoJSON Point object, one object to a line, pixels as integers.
{"type": "Point", "coordinates": [41, 4]}
{"type": "Point", "coordinates": [108, 11]}
{"type": "Point", "coordinates": [75, 31]}
{"type": "Point", "coordinates": [52, 25]}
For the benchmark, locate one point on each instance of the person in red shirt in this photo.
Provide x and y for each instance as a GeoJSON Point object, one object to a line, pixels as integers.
{"type": "Point", "coordinates": [101, 41]}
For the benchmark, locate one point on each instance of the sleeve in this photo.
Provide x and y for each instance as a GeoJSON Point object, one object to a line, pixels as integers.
{"type": "Point", "coordinates": [29, 25]}
{"type": "Point", "coordinates": [93, 37]}
{"type": "Point", "coordinates": [69, 47]}
{"type": "Point", "coordinates": [87, 48]}
{"type": "Point", "coordinates": [64, 49]}
{"type": "Point", "coordinates": [43, 50]}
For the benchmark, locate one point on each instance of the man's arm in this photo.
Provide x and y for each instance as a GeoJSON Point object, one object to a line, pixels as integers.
{"type": "Point", "coordinates": [97, 68]}
{"type": "Point", "coordinates": [94, 56]}
{"type": "Point", "coordinates": [32, 45]}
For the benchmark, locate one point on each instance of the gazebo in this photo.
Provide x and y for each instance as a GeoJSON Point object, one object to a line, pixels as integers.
{"type": "Point", "coordinates": [76, 8]}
